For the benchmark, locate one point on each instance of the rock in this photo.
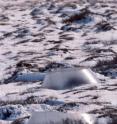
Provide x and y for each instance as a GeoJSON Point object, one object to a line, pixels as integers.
{"type": "Point", "coordinates": [36, 11]}
{"type": "Point", "coordinates": [11, 112]}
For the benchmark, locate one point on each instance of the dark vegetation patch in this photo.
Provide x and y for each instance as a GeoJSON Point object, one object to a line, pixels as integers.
{"type": "Point", "coordinates": [28, 100]}
{"type": "Point", "coordinates": [104, 26]}
{"type": "Point", "coordinates": [4, 18]}
{"type": "Point", "coordinates": [104, 66]}
{"type": "Point", "coordinates": [30, 90]}
{"type": "Point", "coordinates": [36, 40]}
{"type": "Point", "coordinates": [68, 27]}
{"type": "Point", "coordinates": [21, 32]}
{"type": "Point", "coordinates": [33, 100]}
{"type": "Point", "coordinates": [107, 67]}
{"type": "Point", "coordinates": [20, 120]}
{"type": "Point", "coordinates": [69, 58]}
{"type": "Point", "coordinates": [106, 112]}
{"type": "Point", "coordinates": [66, 37]}
{"type": "Point", "coordinates": [55, 42]}
{"type": "Point", "coordinates": [11, 78]}
{"type": "Point", "coordinates": [52, 66]}
{"type": "Point", "coordinates": [22, 42]}
{"type": "Point", "coordinates": [25, 64]}
{"type": "Point", "coordinates": [66, 106]}
{"type": "Point", "coordinates": [84, 13]}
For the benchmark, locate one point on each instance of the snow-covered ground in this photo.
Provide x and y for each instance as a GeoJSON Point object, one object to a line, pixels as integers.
{"type": "Point", "coordinates": [37, 37]}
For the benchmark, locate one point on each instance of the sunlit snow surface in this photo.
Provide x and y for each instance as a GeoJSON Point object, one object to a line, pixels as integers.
{"type": "Point", "coordinates": [38, 37]}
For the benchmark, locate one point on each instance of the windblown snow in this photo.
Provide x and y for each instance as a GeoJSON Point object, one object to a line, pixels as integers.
{"type": "Point", "coordinates": [38, 37]}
